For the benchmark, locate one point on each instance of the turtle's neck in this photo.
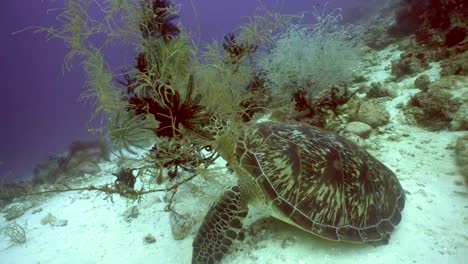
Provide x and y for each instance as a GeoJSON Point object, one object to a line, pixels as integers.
{"type": "Point", "coordinates": [226, 141]}
{"type": "Point", "coordinates": [225, 144]}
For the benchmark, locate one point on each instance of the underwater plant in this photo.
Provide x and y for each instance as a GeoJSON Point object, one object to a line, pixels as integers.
{"type": "Point", "coordinates": [315, 110]}
{"type": "Point", "coordinates": [221, 83]}
{"type": "Point", "coordinates": [177, 98]}
{"type": "Point", "coordinates": [262, 27]}
{"type": "Point", "coordinates": [172, 112]}
{"type": "Point", "coordinates": [165, 96]}
{"type": "Point", "coordinates": [257, 102]}
{"type": "Point", "coordinates": [16, 233]}
{"type": "Point", "coordinates": [158, 19]}
{"type": "Point", "coordinates": [171, 154]}
{"type": "Point", "coordinates": [100, 85]}
{"type": "Point", "coordinates": [128, 131]}
{"type": "Point", "coordinates": [235, 50]}
{"type": "Point", "coordinates": [161, 68]}
{"type": "Point", "coordinates": [312, 58]}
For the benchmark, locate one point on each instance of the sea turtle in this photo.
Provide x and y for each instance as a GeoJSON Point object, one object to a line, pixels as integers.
{"type": "Point", "coordinates": [313, 179]}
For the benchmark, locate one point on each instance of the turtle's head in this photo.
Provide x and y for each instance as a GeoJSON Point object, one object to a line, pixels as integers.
{"type": "Point", "coordinates": [225, 146]}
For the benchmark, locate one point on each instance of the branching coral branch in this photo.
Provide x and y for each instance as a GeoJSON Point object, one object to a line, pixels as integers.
{"type": "Point", "coordinates": [110, 189]}
{"type": "Point", "coordinates": [312, 58]}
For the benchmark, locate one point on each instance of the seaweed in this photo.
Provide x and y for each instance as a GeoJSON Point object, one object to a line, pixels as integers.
{"type": "Point", "coordinates": [312, 57]}
{"type": "Point", "coordinates": [237, 50]}
{"type": "Point", "coordinates": [315, 109]}
{"type": "Point", "coordinates": [258, 100]}
{"type": "Point", "coordinates": [16, 233]}
{"type": "Point", "coordinates": [163, 62]}
{"type": "Point", "coordinates": [221, 83]}
{"type": "Point", "coordinates": [185, 154]}
{"type": "Point", "coordinates": [158, 20]}
{"type": "Point", "coordinates": [129, 131]}
{"type": "Point", "coordinates": [261, 28]}
{"type": "Point", "coordinates": [172, 103]}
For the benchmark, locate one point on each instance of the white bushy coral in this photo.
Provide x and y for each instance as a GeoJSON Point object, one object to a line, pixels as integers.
{"type": "Point", "coordinates": [312, 57]}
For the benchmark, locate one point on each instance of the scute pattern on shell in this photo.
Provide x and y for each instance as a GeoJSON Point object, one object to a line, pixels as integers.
{"type": "Point", "coordinates": [322, 182]}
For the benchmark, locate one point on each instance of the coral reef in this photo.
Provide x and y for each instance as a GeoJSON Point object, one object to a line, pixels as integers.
{"type": "Point", "coordinates": [83, 158]}
{"type": "Point", "coordinates": [434, 108]}
{"type": "Point", "coordinates": [176, 98]}
{"type": "Point", "coordinates": [409, 64]}
{"type": "Point", "coordinates": [450, 83]}
{"type": "Point", "coordinates": [95, 151]}
{"type": "Point", "coordinates": [422, 82]}
{"type": "Point", "coordinates": [460, 118]}
{"type": "Point", "coordinates": [444, 102]}
{"type": "Point", "coordinates": [455, 36]}
{"type": "Point", "coordinates": [371, 112]}
{"type": "Point", "coordinates": [439, 28]}
{"type": "Point", "coordinates": [461, 155]}
{"type": "Point", "coordinates": [377, 37]}
{"type": "Point", "coordinates": [14, 212]}
{"type": "Point", "coordinates": [379, 90]}
{"type": "Point", "coordinates": [163, 98]}
{"type": "Point", "coordinates": [17, 209]}
{"type": "Point", "coordinates": [155, 91]}
{"type": "Point", "coordinates": [11, 190]}
{"type": "Point", "coordinates": [434, 22]}
{"type": "Point", "coordinates": [49, 171]}
{"type": "Point", "coordinates": [455, 65]}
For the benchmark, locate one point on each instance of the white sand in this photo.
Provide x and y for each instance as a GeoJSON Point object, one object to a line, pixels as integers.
{"type": "Point", "coordinates": [434, 228]}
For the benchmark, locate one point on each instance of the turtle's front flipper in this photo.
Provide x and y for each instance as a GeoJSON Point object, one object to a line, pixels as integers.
{"type": "Point", "coordinates": [222, 225]}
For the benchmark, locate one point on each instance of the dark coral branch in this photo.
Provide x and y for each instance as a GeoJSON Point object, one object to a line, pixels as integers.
{"type": "Point", "coordinates": [235, 50]}
{"type": "Point", "coordinates": [316, 109]}
{"type": "Point", "coordinates": [159, 23]}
